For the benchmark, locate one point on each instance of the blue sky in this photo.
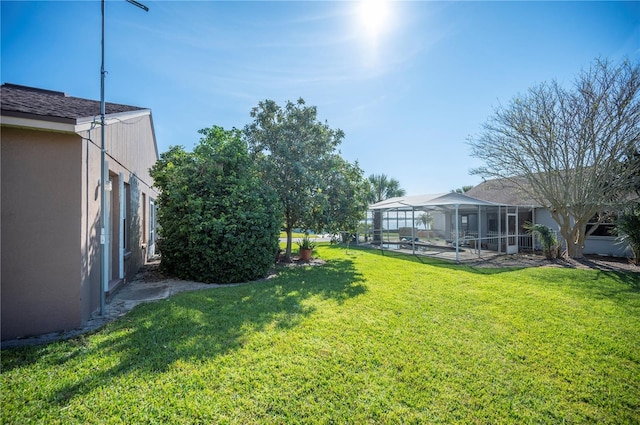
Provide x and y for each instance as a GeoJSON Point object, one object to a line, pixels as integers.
{"type": "Point", "coordinates": [408, 88]}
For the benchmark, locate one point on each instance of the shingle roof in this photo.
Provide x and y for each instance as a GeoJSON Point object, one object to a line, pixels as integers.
{"type": "Point", "coordinates": [18, 100]}
{"type": "Point", "coordinates": [502, 191]}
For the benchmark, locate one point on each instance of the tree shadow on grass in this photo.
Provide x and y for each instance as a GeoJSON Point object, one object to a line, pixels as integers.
{"type": "Point", "coordinates": [594, 283]}
{"type": "Point", "coordinates": [438, 262]}
{"type": "Point", "coordinates": [630, 278]}
{"type": "Point", "coordinates": [201, 325]}
{"type": "Point", "coordinates": [598, 286]}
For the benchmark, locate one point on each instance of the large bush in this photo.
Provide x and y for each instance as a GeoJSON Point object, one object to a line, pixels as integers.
{"type": "Point", "coordinates": [218, 222]}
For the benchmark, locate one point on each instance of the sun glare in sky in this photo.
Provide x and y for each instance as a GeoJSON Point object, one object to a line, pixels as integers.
{"type": "Point", "coordinates": [374, 16]}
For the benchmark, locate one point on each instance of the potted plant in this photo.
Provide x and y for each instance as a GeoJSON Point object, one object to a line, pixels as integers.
{"type": "Point", "coordinates": [306, 246]}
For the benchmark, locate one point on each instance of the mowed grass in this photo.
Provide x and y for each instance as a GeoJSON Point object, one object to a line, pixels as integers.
{"type": "Point", "coordinates": [367, 338]}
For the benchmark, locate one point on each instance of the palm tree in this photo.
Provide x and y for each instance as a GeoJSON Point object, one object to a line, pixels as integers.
{"type": "Point", "coordinates": [547, 236]}
{"type": "Point", "coordinates": [382, 187]}
{"type": "Point", "coordinates": [425, 219]}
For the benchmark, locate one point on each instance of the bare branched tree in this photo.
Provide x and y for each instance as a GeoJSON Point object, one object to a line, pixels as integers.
{"type": "Point", "coordinates": [569, 149]}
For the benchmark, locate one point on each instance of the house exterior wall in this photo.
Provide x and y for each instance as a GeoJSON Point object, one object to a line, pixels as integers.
{"type": "Point", "coordinates": [543, 216]}
{"type": "Point", "coordinates": [131, 151]}
{"type": "Point", "coordinates": [136, 151]}
{"type": "Point", "coordinates": [90, 227]}
{"type": "Point", "coordinates": [606, 245]}
{"type": "Point", "coordinates": [50, 188]}
{"type": "Point", "coordinates": [439, 223]}
{"type": "Point", "coordinates": [41, 252]}
{"type": "Point", "coordinates": [501, 191]}
{"type": "Point", "coordinates": [599, 245]}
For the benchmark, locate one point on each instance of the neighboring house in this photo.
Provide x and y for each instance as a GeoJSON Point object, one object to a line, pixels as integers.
{"type": "Point", "coordinates": [50, 193]}
{"type": "Point", "coordinates": [501, 191]}
{"type": "Point", "coordinates": [459, 220]}
{"type": "Point", "coordinates": [490, 216]}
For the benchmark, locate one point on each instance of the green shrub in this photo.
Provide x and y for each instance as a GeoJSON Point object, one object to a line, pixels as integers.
{"type": "Point", "coordinates": [218, 222]}
{"type": "Point", "coordinates": [628, 229]}
{"type": "Point", "coordinates": [547, 236]}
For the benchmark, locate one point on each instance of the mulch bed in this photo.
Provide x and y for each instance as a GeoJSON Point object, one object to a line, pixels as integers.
{"type": "Point", "coordinates": [594, 262]}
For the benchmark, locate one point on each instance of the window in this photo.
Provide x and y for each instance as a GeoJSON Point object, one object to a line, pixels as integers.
{"type": "Point", "coordinates": [606, 227]}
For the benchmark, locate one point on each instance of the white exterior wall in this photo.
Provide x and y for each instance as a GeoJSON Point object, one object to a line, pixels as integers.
{"type": "Point", "coordinates": [606, 245]}
{"type": "Point", "coordinates": [599, 245]}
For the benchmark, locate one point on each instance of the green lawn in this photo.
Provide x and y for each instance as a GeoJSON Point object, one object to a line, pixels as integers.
{"type": "Point", "coordinates": [367, 338]}
{"type": "Point", "coordinates": [297, 235]}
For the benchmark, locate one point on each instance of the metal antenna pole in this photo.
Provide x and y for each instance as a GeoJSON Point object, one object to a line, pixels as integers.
{"type": "Point", "coordinates": [104, 254]}
{"type": "Point", "coordinates": [103, 197]}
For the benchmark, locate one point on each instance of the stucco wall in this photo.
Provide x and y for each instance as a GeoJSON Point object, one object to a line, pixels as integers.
{"type": "Point", "coordinates": [50, 254]}
{"type": "Point", "coordinates": [131, 150]}
{"type": "Point", "coordinates": [90, 228]}
{"type": "Point", "coordinates": [606, 245]}
{"type": "Point", "coordinates": [600, 245]}
{"type": "Point", "coordinates": [41, 253]}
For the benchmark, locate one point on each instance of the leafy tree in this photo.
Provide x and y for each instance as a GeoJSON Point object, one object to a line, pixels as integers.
{"type": "Point", "coordinates": [296, 156]}
{"type": "Point", "coordinates": [628, 229]}
{"type": "Point", "coordinates": [566, 148]}
{"type": "Point", "coordinates": [342, 201]}
{"type": "Point", "coordinates": [218, 223]}
{"type": "Point", "coordinates": [382, 187]}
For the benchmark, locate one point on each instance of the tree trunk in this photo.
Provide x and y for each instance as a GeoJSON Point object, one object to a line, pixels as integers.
{"type": "Point", "coordinates": [287, 253]}
{"type": "Point", "coordinates": [575, 250]}
{"type": "Point", "coordinates": [573, 235]}
{"type": "Point", "coordinates": [575, 243]}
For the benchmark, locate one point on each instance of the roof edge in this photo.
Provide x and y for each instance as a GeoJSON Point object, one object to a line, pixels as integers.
{"type": "Point", "coordinates": [36, 117]}
{"type": "Point", "coordinates": [37, 124]}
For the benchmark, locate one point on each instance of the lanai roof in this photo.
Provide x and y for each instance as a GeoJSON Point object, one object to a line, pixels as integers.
{"type": "Point", "coordinates": [430, 202]}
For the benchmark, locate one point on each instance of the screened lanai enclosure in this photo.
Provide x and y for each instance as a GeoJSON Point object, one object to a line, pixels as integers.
{"type": "Point", "coordinates": [450, 225]}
